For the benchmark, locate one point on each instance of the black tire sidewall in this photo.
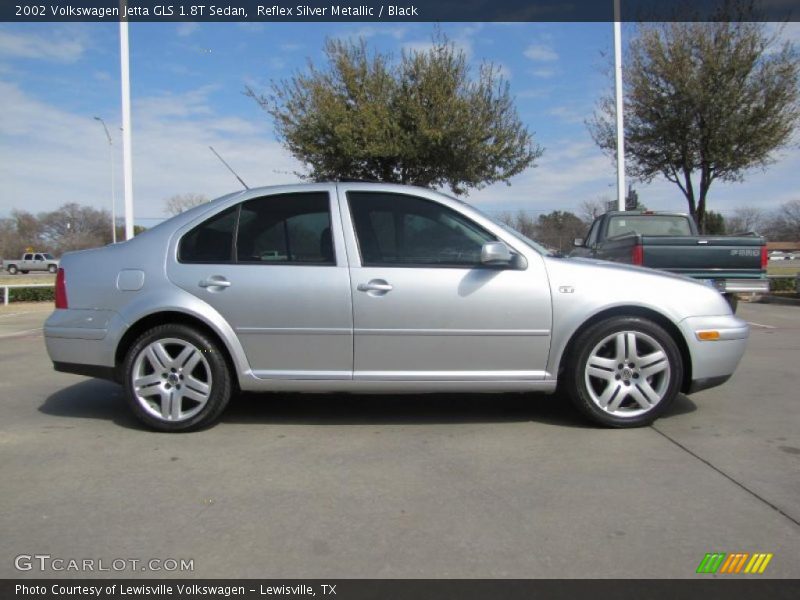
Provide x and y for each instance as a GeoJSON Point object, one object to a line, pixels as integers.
{"type": "Point", "coordinates": [587, 341]}
{"type": "Point", "coordinates": [221, 388]}
{"type": "Point", "coordinates": [13, 270]}
{"type": "Point", "coordinates": [52, 269]}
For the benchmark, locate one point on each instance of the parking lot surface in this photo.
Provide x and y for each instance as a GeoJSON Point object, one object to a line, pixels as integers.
{"type": "Point", "coordinates": [402, 486]}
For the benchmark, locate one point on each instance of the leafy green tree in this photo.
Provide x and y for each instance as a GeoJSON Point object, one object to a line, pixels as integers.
{"type": "Point", "coordinates": [704, 101]}
{"type": "Point", "coordinates": [421, 120]}
{"type": "Point", "coordinates": [715, 223]}
{"type": "Point", "coordinates": [558, 229]}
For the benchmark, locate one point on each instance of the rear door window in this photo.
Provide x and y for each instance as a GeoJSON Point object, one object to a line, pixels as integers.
{"type": "Point", "coordinates": [211, 241]}
{"type": "Point", "coordinates": [286, 229]}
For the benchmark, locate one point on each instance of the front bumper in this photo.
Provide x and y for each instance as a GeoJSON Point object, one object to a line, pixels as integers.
{"type": "Point", "coordinates": [716, 345]}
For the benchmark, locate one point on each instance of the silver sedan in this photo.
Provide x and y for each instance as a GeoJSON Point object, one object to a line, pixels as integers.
{"type": "Point", "coordinates": [373, 288]}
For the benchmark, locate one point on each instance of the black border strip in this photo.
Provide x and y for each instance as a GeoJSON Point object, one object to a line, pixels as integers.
{"type": "Point", "coordinates": [275, 11]}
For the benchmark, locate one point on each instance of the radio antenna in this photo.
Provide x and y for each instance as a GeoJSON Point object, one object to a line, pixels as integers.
{"type": "Point", "coordinates": [229, 167]}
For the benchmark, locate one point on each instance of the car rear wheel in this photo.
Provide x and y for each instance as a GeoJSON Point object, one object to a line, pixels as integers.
{"type": "Point", "coordinates": [52, 269]}
{"type": "Point", "coordinates": [176, 379]}
{"type": "Point", "coordinates": [24, 272]}
{"type": "Point", "coordinates": [624, 372]}
{"type": "Point", "coordinates": [12, 269]}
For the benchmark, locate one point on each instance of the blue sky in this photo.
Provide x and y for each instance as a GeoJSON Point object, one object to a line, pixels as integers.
{"type": "Point", "coordinates": [187, 84]}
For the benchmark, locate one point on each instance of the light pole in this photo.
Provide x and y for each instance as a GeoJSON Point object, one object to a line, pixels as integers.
{"type": "Point", "coordinates": [619, 106]}
{"type": "Point", "coordinates": [125, 78]}
{"type": "Point", "coordinates": [113, 196]}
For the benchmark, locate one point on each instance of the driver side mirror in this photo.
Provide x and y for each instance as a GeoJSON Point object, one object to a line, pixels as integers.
{"type": "Point", "coordinates": [578, 242]}
{"type": "Point", "coordinates": [495, 254]}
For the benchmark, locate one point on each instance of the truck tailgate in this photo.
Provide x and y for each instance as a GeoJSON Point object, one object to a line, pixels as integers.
{"type": "Point", "coordinates": [712, 256]}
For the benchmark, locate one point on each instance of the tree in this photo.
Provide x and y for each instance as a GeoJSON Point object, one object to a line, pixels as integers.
{"type": "Point", "coordinates": [181, 202]}
{"type": "Point", "coordinates": [589, 210]}
{"type": "Point", "coordinates": [75, 227]}
{"type": "Point", "coordinates": [558, 229]}
{"type": "Point", "coordinates": [745, 219]}
{"type": "Point", "coordinates": [520, 222]}
{"type": "Point", "coordinates": [715, 223]}
{"type": "Point", "coordinates": [421, 120]}
{"type": "Point", "coordinates": [784, 225]}
{"type": "Point", "coordinates": [704, 101]}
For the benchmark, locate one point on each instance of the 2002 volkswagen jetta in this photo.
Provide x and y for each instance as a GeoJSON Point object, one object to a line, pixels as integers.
{"type": "Point", "coordinates": [376, 288]}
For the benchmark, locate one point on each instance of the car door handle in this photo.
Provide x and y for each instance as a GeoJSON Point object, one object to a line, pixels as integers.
{"type": "Point", "coordinates": [376, 285]}
{"type": "Point", "coordinates": [215, 281]}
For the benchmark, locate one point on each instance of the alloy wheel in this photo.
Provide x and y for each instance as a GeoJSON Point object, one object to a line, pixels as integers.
{"type": "Point", "coordinates": [171, 379]}
{"type": "Point", "coordinates": [627, 374]}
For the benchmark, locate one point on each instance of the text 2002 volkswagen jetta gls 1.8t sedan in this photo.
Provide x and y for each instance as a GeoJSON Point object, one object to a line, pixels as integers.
{"type": "Point", "coordinates": [376, 288]}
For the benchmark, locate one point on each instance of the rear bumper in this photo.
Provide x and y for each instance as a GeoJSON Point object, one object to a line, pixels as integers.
{"type": "Point", "coordinates": [742, 286]}
{"type": "Point", "coordinates": [83, 341]}
{"type": "Point", "coordinates": [714, 360]}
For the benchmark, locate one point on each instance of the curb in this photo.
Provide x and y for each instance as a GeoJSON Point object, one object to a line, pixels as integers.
{"type": "Point", "coordinates": [773, 299]}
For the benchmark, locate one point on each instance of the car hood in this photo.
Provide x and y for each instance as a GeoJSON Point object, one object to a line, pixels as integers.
{"type": "Point", "coordinates": [623, 268]}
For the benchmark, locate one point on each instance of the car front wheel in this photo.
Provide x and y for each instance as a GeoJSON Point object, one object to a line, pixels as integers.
{"type": "Point", "coordinates": [176, 379]}
{"type": "Point", "coordinates": [624, 372]}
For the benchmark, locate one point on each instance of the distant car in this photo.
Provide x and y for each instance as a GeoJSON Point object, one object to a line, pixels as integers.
{"type": "Point", "coordinates": [794, 256]}
{"type": "Point", "coordinates": [32, 261]}
{"type": "Point", "coordinates": [355, 287]}
{"type": "Point", "coordinates": [778, 255]}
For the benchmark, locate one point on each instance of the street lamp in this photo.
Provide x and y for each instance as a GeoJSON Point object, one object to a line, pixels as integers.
{"type": "Point", "coordinates": [113, 198]}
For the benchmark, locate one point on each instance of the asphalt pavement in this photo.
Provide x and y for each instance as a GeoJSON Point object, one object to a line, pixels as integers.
{"type": "Point", "coordinates": [320, 486]}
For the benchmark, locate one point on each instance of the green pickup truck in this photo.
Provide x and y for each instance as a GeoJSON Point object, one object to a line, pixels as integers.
{"type": "Point", "coordinates": [671, 242]}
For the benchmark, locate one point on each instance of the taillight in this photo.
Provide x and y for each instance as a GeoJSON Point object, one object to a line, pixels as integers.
{"type": "Point", "coordinates": [61, 290]}
{"type": "Point", "coordinates": [764, 258]}
{"type": "Point", "coordinates": [637, 255]}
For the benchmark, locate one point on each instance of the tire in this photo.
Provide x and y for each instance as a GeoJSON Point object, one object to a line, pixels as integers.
{"type": "Point", "coordinates": [732, 300]}
{"type": "Point", "coordinates": [607, 389]}
{"type": "Point", "coordinates": [12, 269]}
{"type": "Point", "coordinates": [24, 272]}
{"type": "Point", "coordinates": [53, 269]}
{"type": "Point", "coordinates": [191, 364]}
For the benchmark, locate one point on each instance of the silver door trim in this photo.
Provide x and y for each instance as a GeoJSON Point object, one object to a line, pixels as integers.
{"type": "Point", "coordinates": [296, 330]}
{"type": "Point", "coordinates": [449, 375]}
{"type": "Point", "coordinates": [449, 332]}
{"type": "Point", "coordinates": [303, 375]}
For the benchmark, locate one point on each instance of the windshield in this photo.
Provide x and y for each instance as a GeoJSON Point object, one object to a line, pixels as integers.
{"type": "Point", "coordinates": [654, 225]}
{"type": "Point", "coordinates": [522, 238]}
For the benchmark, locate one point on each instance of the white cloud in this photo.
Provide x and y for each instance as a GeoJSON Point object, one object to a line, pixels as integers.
{"type": "Point", "coordinates": [568, 173]}
{"type": "Point", "coordinates": [397, 32]}
{"type": "Point", "coordinates": [187, 28]}
{"type": "Point", "coordinates": [541, 53]}
{"type": "Point", "coordinates": [51, 156]}
{"type": "Point", "coordinates": [61, 47]}
{"type": "Point", "coordinates": [569, 114]}
{"type": "Point", "coordinates": [543, 73]}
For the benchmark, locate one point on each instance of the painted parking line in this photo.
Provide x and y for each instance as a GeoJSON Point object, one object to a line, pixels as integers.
{"type": "Point", "coordinates": [20, 333]}
{"type": "Point", "coordinates": [27, 312]}
{"type": "Point", "coordinates": [761, 325]}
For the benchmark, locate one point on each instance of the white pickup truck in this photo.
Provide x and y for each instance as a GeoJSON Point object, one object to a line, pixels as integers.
{"type": "Point", "coordinates": [32, 261]}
